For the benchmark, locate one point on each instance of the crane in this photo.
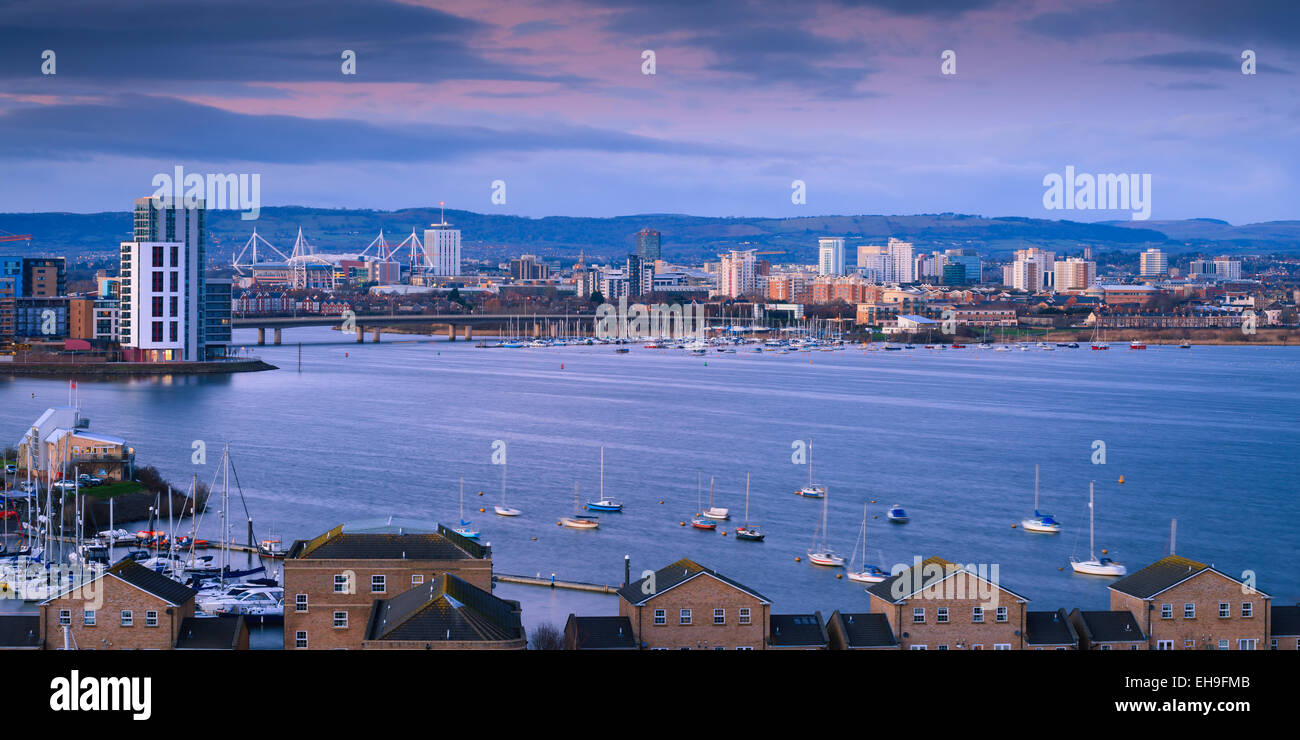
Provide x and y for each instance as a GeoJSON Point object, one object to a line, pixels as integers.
{"type": "Point", "coordinates": [15, 237]}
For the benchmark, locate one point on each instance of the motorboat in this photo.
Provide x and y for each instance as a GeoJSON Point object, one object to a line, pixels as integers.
{"type": "Point", "coordinates": [897, 515]}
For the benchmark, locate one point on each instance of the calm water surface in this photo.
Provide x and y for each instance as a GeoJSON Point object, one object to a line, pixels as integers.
{"type": "Point", "coordinates": [1209, 435]}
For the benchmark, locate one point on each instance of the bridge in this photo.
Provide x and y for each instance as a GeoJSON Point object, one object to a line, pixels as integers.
{"type": "Point", "coordinates": [536, 325]}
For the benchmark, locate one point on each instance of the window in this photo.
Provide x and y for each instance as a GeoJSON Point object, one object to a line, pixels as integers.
{"type": "Point", "coordinates": [157, 331]}
{"type": "Point", "coordinates": [1164, 644]}
{"type": "Point", "coordinates": [65, 617]}
{"type": "Point", "coordinates": [1002, 646]}
{"type": "Point", "coordinates": [173, 331]}
{"type": "Point", "coordinates": [176, 256]}
{"type": "Point", "coordinates": [977, 614]}
{"type": "Point", "coordinates": [1247, 609]}
{"type": "Point", "coordinates": [1272, 644]}
{"type": "Point", "coordinates": [1132, 647]}
{"type": "Point", "coordinates": [1223, 644]}
{"type": "Point", "coordinates": [918, 615]}
{"type": "Point", "coordinates": [377, 584]}
{"type": "Point", "coordinates": [157, 305]}
{"type": "Point", "coordinates": [340, 620]}
{"type": "Point", "coordinates": [417, 579]}
{"type": "Point", "coordinates": [175, 281]}
{"type": "Point", "coordinates": [744, 615]}
{"type": "Point", "coordinates": [157, 282]}
{"type": "Point", "coordinates": [1001, 615]}
{"type": "Point", "coordinates": [300, 639]}
{"type": "Point", "coordinates": [661, 616]}
{"type": "Point", "coordinates": [300, 603]}
{"type": "Point", "coordinates": [1188, 644]}
{"type": "Point", "coordinates": [942, 647]}
{"type": "Point", "coordinates": [157, 256]}
{"type": "Point", "coordinates": [1166, 611]}
{"type": "Point", "coordinates": [175, 306]}
{"type": "Point", "coordinates": [88, 617]}
{"type": "Point", "coordinates": [128, 619]}
{"type": "Point", "coordinates": [1105, 647]}
{"type": "Point", "coordinates": [341, 583]}
{"type": "Point", "coordinates": [719, 616]}
{"type": "Point", "coordinates": [1189, 610]}
{"type": "Point", "coordinates": [918, 647]}
{"type": "Point", "coordinates": [941, 617]}
{"type": "Point", "coordinates": [1247, 643]}
{"type": "Point", "coordinates": [1225, 609]}
{"type": "Point", "coordinates": [151, 618]}
{"type": "Point", "coordinates": [685, 616]}
{"type": "Point", "coordinates": [747, 647]}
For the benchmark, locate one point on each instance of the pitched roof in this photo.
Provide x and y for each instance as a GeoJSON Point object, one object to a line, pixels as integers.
{"type": "Point", "coordinates": [339, 545]}
{"type": "Point", "coordinates": [797, 630]}
{"type": "Point", "coordinates": [445, 609]}
{"type": "Point", "coordinates": [915, 579]}
{"type": "Point", "coordinates": [600, 633]}
{"type": "Point", "coordinates": [864, 630]}
{"type": "Point", "coordinates": [19, 631]}
{"type": "Point", "coordinates": [1162, 575]}
{"type": "Point", "coordinates": [675, 575]}
{"type": "Point", "coordinates": [1108, 626]}
{"type": "Point", "coordinates": [1286, 621]}
{"type": "Point", "coordinates": [1049, 628]}
{"type": "Point", "coordinates": [210, 633]}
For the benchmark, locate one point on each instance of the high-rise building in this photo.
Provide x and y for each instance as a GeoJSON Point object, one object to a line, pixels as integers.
{"type": "Point", "coordinates": [900, 267]}
{"type": "Point", "coordinates": [1154, 263]}
{"type": "Point", "coordinates": [442, 244]}
{"type": "Point", "coordinates": [1073, 273]}
{"type": "Point", "coordinates": [647, 246]}
{"type": "Point", "coordinates": [736, 275]}
{"type": "Point", "coordinates": [830, 256]}
{"type": "Point", "coordinates": [1031, 270]}
{"type": "Point", "coordinates": [528, 267]}
{"type": "Point", "coordinates": [970, 260]}
{"type": "Point", "coordinates": [640, 276]}
{"type": "Point", "coordinates": [161, 309]}
{"type": "Point", "coordinates": [44, 277]}
{"type": "Point", "coordinates": [1227, 268]}
{"type": "Point", "coordinates": [217, 312]}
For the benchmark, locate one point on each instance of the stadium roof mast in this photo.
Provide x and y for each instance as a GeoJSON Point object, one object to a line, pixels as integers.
{"type": "Point", "coordinates": [252, 244]}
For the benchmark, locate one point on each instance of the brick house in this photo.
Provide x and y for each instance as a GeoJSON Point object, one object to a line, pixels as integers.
{"type": "Point", "coordinates": [1050, 631]}
{"type": "Point", "coordinates": [1284, 628]}
{"type": "Point", "coordinates": [797, 632]}
{"type": "Point", "coordinates": [938, 605]}
{"type": "Point", "coordinates": [598, 633]}
{"type": "Point", "coordinates": [1107, 630]}
{"type": "Point", "coordinates": [1182, 604]}
{"type": "Point", "coordinates": [446, 613]}
{"type": "Point", "coordinates": [861, 631]}
{"type": "Point", "coordinates": [139, 610]}
{"type": "Point", "coordinates": [686, 606]}
{"type": "Point", "coordinates": [332, 582]}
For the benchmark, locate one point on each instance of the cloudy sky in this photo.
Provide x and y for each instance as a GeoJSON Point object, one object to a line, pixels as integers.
{"type": "Point", "coordinates": [551, 99]}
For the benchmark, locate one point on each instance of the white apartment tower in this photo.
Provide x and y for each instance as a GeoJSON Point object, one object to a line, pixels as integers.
{"type": "Point", "coordinates": [442, 245]}
{"type": "Point", "coordinates": [831, 256]}
{"type": "Point", "coordinates": [161, 312]}
{"type": "Point", "coordinates": [900, 266]}
{"type": "Point", "coordinates": [736, 274]}
{"type": "Point", "coordinates": [1032, 270]}
{"type": "Point", "coordinates": [1074, 274]}
{"type": "Point", "coordinates": [1154, 263]}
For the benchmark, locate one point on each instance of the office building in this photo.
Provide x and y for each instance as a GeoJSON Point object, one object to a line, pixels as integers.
{"type": "Point", "coordinates": [1073, 273]}
{"type": "Point", "coordinates": [442, 245]}
{"type": "Point", "coordinates": [216, 318]}
{"type": "Point", "coordinates": [1154, 263]}
{"type": "Point", "coordinates": [647, 246]}
{"type": "Point", "coordinates": [44, 277]}
{"type": "Point", "coordinates": [528, 267]}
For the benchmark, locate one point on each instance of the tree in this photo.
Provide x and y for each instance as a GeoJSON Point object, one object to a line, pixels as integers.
{"type": "Point", "coordinates": [596, 297]}
{"type": "Point", "coordinates": [546, 637]}
{"type": "Point", "coordinates": [454, 295]}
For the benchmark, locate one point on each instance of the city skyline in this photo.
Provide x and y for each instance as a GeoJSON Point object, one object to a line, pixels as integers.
{"type": "Point", "coordinates": [746, 98]}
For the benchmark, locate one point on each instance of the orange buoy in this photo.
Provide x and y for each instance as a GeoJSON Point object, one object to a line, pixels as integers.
{"type": "Point", "coordinates": [1121, 479]}
{"type": "Point", "coordinates": [561, 365]}
{"type": "Point", "coordinates": [839, 576]}
{"type": "Point", "coordinates": [723, 532]}
{"type": "Point", "coordinates": [683, 524]}
{"type": "Point", "coordinates": [1013, 526]}
{"type": "Point", "coordinates": [534, 539]}
{"type": "Point", "coordinates": [1103, 551]}
{"type": "Point", "coordinates": [559, 524]}
{"type": "Point", "coordinates": [798, 559]}
{"type": "Point", "coordinates": [481, 510]}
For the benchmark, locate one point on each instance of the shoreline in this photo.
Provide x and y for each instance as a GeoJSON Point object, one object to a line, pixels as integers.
{"type": "Point", "coordinates": [126, 369]}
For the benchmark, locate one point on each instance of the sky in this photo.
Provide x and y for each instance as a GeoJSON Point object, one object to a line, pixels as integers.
{"type": "Point", "coordinates": [548, 107]}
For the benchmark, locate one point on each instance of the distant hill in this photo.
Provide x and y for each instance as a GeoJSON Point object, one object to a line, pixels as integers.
{"type": "Point", "coordinates": [685, 238]}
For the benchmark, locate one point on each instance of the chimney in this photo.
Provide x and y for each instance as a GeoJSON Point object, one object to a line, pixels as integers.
{"type": "Point", "coordinates": [627, 571]}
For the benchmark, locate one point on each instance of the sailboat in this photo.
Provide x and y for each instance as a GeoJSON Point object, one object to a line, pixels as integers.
{"type": "Point", "coordinates": [746, 532]}
{"type": "Point", "coordinates": [715, 512]}
{"type": "Point", "coordinates": [579, 521]}
{"type": "Point", "coordinates": [1092, 566]}
{"type": "Point", "coordinates": [699, 522]}
{"type": "Point", "coordinates": [1039, 522]}
{"type": "Point", "coordinates": [823, 555]}
{"type": "Point", "coordinates": [859, 570]}
{"type": "Point", "coordinates": [1097, 343]}
{"type": "Point", "coordinates": [464, 530]}
{"type": "Point", "coordinates": [604, 504]}
{"type": "Point", "coordinates": [503, 509]}
{"type": "Point", "coordinates": [812, 490]}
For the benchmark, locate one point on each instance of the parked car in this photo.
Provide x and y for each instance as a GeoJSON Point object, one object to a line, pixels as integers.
{"type": "Point", "coordinates": [65, 485]}
{"type": "Point", "coordinates": [89, 480]}
{"type": "Point", "coordinates": [11, 469]}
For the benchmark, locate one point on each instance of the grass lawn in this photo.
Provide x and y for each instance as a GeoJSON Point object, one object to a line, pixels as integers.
{"type": "Point", "coordinates": [110, 490]}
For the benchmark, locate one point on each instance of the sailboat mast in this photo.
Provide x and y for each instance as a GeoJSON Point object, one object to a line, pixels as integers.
{"type": "Point", "coordinates": [1092, 554]}
{"type": "Point", "coordinates": [810, 474]}
{"type": "Point", "coordinates": [1035, 489]}
{"type": "Point", "coordinates": [746, 499]}
{"type": "Point", "coordinates": [602, 472]}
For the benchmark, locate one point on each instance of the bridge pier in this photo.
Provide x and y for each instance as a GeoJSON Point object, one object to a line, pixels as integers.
{"type": "Point", "coordinates": [469, 333]}
{"type": "Point", "coordinates": [451, 332]}
{"type": "Point", "coordinates": [374, 336]}
{"type": "Point", "coordinates": [361, 335]}
{"type": "Point", "coordinates": [261, 335]}
{"type": "Point", "coordinates": [277, 336]}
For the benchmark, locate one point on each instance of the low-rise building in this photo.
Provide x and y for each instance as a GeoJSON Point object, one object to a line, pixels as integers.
{"type": "Point", "coordinates": [686, 606]}
{"type": "Point", "coordinates": [1182, 604]}
{"type": "Point", "coordinates": [938, 605]}
{"type": "Point", "coordinates": [127, 607]}
{"type": "Point", "coordinates": [446, 613]}
{"type": "Point", "coordinates": [1107, 630]}
{"type": "Point", "coordinates": [333, 582]}
{"type": "Point", "coordinates": [860, 631]}
{"type": "Point", "coordinates": [1050, 631]}
{"type": "Point", "coordinates": [598, 633]}
{"type": "Point", "coordinates": [1284, 628]}
{"type": "Point", "coordinates": [797, 632]}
